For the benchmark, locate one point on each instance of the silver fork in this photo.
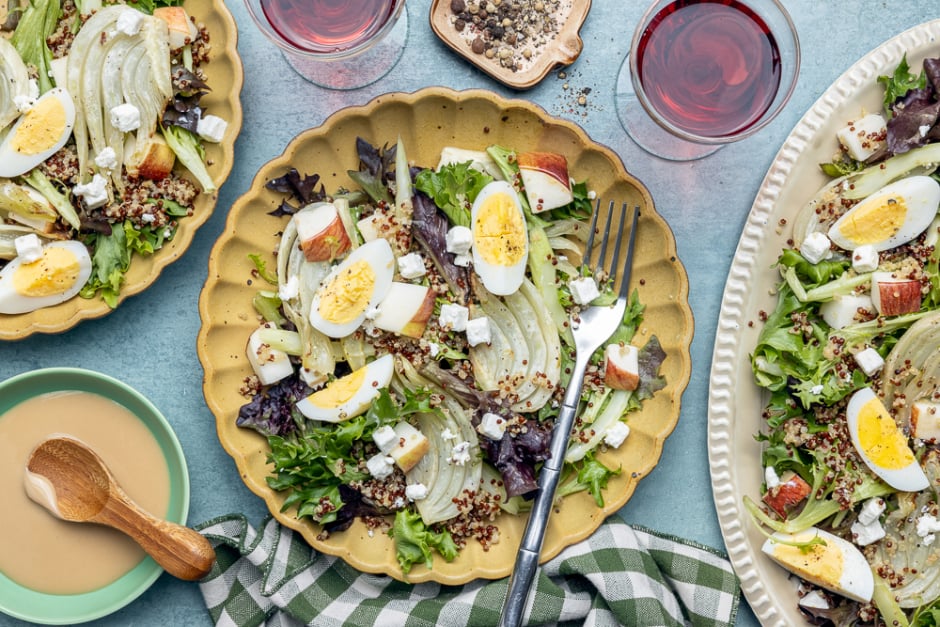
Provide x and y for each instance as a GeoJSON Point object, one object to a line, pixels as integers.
{"type": "Point", "coordinates": [591, 329]}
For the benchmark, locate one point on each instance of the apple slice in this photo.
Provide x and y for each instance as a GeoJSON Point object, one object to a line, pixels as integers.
{"type": "Point", "coordinates": [411, 446]}
{"type": "Point", "coordinates": [892, 296]}
{"type": "Point", "coordinates": [545, 178]}
{"type": "Point", "coordinates": [792, 490]}
{"type": "Point", "coordinates": [153, 159]}
{"type": "Point", "coordinates": [621, 367]}
{"type": "Point", "coordinates": [925, 420]}
{"type": "Point", "coordinates": [321, 232]}
{"type": "Point", "coordinates": [406, 310]}
{"type": "Point", "coordinates": [182, 29]}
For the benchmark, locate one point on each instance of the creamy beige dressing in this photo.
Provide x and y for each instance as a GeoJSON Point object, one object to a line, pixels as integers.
{"type": "Point", "coordinates": [43, 553]}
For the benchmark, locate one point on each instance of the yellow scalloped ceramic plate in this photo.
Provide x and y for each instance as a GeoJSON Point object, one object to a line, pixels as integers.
{"type": "Point", "coordinates": [225, 77]}
{"type": "Point", "coordinates": [735, 402]}
{"type": "Point", "coordinates": [427, 121]}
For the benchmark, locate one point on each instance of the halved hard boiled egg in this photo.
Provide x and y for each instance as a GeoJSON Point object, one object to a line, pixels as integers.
{"type": "Point", "coordinates": [500, 238]}
{"type": "Point", "coordinates": [894, 215]}
{"type": "Point", "coordinates": [38, 134]}
{"type": "Point", "coordinates": [351, 395]}
{"type": "Point", "coordinates": [352, 288]}
{"type": "Point", "coordinates": [55, 277]}
{"type": "Point", "coordinates": [881, 443]}
{"type": "Point", "coordinates": [834, 564]}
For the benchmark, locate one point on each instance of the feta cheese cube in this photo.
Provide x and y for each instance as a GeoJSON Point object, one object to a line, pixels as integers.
{"type": "Point", "coordinates": [583, 290]}
{"type": "Point", "coordinates": [460, 454]}
{"type": "Point", "coordinates": [814, 600]}
{"type": "Point", "coordinates": [125, 117]}
{"type": "Point", "coordinates": [380, 465]}
{"type": "Point", "coordinates": [871, 510]}
{"type": "Point", "coordinates": [458, 240]}
{"type": "Point", "coordinates": [815, 247]}
{"type": "Point", "coordinates": [478, 331]}
{"type": "Point", "coordinates": [107, 158]}
{"type": "Point", "coordinates": [367, 228]}
{"type": "Point", "coordinates": [616, 434]}
{"type": "Point", "coordinates": [94, 192]}
{"type": "Point", "coordinates": [462, 260]}
{"type": "Point", "coordinates": [434, 349]}
{"type": "Point", "coordinates": [129, 22]}
{"type": "Point", "coordinates": [211, 128]}
{"type": "Point", "coordinates": [290, 289]}
{"type": "Point", "coordinates": [865, 258]}
{"type": "Point", "coordinates": [869, 361]}
{"type": "Point", "coordinates": [771, 478]}
{"type": "Point", "coordinates": [28, 248]}
{"type": "Point", "coordinates": [866, 534]}
{"type": "Point", "coordinates": [864, 137]}
{"type": "Point", "coordinates": [385, 438]}
{"type": "Point", "coordinates": [411, 266]}
{"type": "Point", "coordinates": [454, 317]}
{"type": "Point", "coordinates": [416, 491]}
{"type": "Point", "coordinates": [312, 378]}
{"type": "Point", "coordinates": [492, 426]}
{"type": "Point", "coordinates": [925, 420]}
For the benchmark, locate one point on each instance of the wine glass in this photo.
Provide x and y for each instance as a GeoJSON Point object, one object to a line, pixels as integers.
{"type": "Point", "coordinates": [338, 44]}
{"type": "Point", "coordinates": [704, 73]}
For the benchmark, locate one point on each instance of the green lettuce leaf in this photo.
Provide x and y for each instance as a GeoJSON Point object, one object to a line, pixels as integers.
{"type": "Point", "coordinates": [414, 541]}
{"type": "Point", "coordinates": [453, 189]}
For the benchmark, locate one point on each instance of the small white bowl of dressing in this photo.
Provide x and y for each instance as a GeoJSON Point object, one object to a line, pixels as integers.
{"type": "Point", "coordinates": [56, 572]}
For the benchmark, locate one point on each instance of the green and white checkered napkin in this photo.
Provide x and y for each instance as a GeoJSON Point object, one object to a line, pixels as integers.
{"type": "Point", "coordinates": [621, 575]}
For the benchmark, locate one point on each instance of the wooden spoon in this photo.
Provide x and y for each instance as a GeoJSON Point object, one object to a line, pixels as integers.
{"type": "Point", "coordinates": [71, 481]}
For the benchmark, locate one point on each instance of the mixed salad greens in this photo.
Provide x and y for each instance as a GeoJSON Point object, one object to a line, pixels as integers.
{"type": "Point", "coordinates": [414, 346]}
{"type": "Point", "coordinates": [850, 358]}
{"type": "Point", "coordinates": [98, 101]}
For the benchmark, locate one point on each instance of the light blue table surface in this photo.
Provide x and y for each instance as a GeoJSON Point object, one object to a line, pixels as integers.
{"type": "Point", "coordinates": [150, 341]}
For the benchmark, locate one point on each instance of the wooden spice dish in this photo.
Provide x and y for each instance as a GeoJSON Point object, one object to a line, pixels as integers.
{"type": "Point", "coordinates": [563, 49]}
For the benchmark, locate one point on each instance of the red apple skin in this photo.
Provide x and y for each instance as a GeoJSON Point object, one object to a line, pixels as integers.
{"type": "Point", "coordinates": [415, 327]}
{"type": "Point", "coordinates": [329, 244]}
{"type": "Point", "coordinates": [899, 297]}
{"type": "Point", "coordinates": [550, 162]}
{"type": "Point", "coordinates": [619, 379]}
{"type": "Point", "coordinates": [792, 491]}
{"type": "Point", "coordinates": [554, 188]}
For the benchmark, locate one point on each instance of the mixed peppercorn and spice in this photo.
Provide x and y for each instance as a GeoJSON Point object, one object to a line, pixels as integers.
{"type": "Point", "coordinates": [414, 346]}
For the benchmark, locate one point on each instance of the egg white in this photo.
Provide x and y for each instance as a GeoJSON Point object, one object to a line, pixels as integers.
{"type": "Point", "coordinates": [910, 478]}
{"type": "Point", "coordinates": [377, 375]}
{"type": "Point", "coordinates": [921, 197]}
{"type": "Point", "coordinates": [853, 577]}
{"type": "Point", "coordinates": [13, 302]}
{"type": "Point", "coordinates": [14, 163]}
{"type": "Point", "coordinates": [380, 258]}
{"type": "Point", "coordinates": [498, 277]}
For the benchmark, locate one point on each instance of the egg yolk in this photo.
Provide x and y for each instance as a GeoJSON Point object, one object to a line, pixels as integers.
{"type": "Point", "coordinates": [820, 563]}
{"type": "Point", "coordinates": [340, 390]}
{"type": "Point", "coordinates": [499, 231]}
{"type": "Point", "coordinates": [875, 221]}
{"type": "Point", "coordinates": [41, 127]}
{"type": "Point", "coordinates": [347, 295]}
{"type": "Point", "coordinates": [880, 439]}
{"type": "Point", "coordinates": [54, 273]}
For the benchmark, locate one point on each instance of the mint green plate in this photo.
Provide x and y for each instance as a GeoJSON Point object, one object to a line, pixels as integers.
{"type": "Point", "coordinates": [52, 609]}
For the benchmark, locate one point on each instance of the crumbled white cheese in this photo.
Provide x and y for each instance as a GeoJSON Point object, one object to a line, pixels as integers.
{"type": "Point", "coordinates": [871, 510]}
{"type": "Point", "coordinates": [463, 260]}
{"type": "Point", "coordinates": [125, 117]}
{"type": "Point", "coordinates": [385, 438]}
{"type": "Point", "coordinates": [591, 194]}
{"type": "Point", "coordinates": [771, 478]}
{"type": "Point", "coordinates": [434, 349]}
{"type": "Point", "coordinates": [866, 534]}
{"type": "Point", "coordinates": [211, 128]}
{"type": "Point", "coordinates": [927, 524]}
{"type": "Point", "coordinates": [492, 426]}
{"type": "Point", "coordinates": [148, 217]}
{"type": "Point", "coordinates": [616, 434]}
{"type": "Point", "coordinates": [865, 259]}
{"type": "Point", "coordinates": [478, 331]}
{"type": "Point", "coordinates": [94, 192]}
{"type": "Point", "coordinates": [290, 289]}
{"type": "Point", "coordinates": [583, 290]}
{"type": "Point", "coordinates": [460, 454]}
{"type": "Point", "coordinates": [869, 361]}
{"type": "Point", "coordinates": [447, 434]}
{"type": "Point", "coordinates": [372, 312]}
{"type": "Point", "coordinates": [129, 22]}
{"type": "Point", "coordinates": [454, 317]}
{"type": "Point", "coordinates": [28, 248]}
{"type": "Point", "coordinates": [458, 240]}
{"type": "Point", "coordinates": [107, 158]}
{"type": "Point", "coordinates": [815, 247]}
{"type": "Point", "coordinates": [416, 491]}
{"type": "Point", "coordinates": [411, 266]}
{"type": "Point", "coordinates": [817, 389]}
{"type": "Point", "coordinates": [380, 465]}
